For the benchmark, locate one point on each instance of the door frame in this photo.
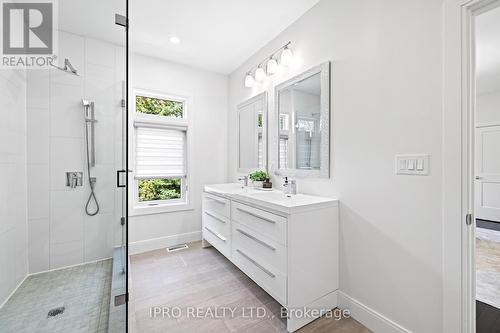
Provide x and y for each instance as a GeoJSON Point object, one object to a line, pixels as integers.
{"type": "Point", "coordinates": [458, 162]}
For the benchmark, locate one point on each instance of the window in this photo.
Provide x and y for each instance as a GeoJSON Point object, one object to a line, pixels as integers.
{"type": "Point", "coordinates": [159, 107]}
{"type": "Point", "coordinates": [283, 141]}
{"type": "Point", "coordinates": [259, 140]}
{"type": "Point", "coordinates": [283, 122]}
{"type": "Point", "coordinates": [161, 139]}
{"type": "Point", "coordinates": [283, 153]}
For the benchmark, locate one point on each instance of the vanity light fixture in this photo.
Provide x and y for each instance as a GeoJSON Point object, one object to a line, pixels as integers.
{"type": "Point", "coordinates": [271, 65]}
{"type": "Point", "coordinates": [249, 80]}
{"type": "Point", "coordinates": [286, 56]}
{"type": "Point", "coordinates": [260, 74]}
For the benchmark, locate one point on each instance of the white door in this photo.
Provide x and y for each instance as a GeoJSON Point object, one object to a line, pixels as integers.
{"type": "Point", "coordinates": [487, 189]}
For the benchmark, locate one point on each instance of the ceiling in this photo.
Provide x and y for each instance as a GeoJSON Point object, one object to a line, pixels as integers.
{"type": "Point", "coordinates": [93, 18]}
{"type": "Point", "coordinates": [216, 35]}
{"type": "Point", "coordinates": [488, 51]}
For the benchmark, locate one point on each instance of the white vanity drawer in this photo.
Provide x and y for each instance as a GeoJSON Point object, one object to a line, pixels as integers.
{"type": "Point", "coordinates": [218, 224]}
{"type": "Point", "coordinates": [268, 278]}
{"type": "Point", "coordinates": [269, 224]}
{"type": "Point", "coordinates": [217, 240]}
{"type": "Point", "coordinates": [263, 249]}
{"type": "Point", "coordinates": [216, 205]}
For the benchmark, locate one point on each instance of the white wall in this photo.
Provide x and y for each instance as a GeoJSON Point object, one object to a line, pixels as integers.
{"type": "Point", "coordinates": [60, 233]}
{"type": "Point", "coordinates": [386, 100]}
{"type": "Point", "coordinates": [488, 107]}
{"type": "Point", "coordinates": [13, 196]}
{"type": "Point", "coordinates": [208, 116]}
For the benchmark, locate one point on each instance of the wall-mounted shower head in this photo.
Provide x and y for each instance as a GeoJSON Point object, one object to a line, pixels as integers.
{"type": "Point", "coordinates": [68, 67]}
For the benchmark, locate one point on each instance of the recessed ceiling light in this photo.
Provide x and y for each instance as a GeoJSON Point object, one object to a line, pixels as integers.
{"type": "Point", "coordinates": [175, 40]}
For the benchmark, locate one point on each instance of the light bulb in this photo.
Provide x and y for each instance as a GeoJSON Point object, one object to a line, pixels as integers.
{"type": "Point", "coordinates": [260, 74]}
{"type": "Point", "coordinates": [174, 40]}
{"type": "Point", "coordinates": [272, 66]}
{"type": "Point", "coordinates": [286, 56]}
{"type": "Point", "coordinates": [249, 80]}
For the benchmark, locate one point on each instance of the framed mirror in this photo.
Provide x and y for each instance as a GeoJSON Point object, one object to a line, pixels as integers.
{"type": "Point", "coordinates": [252, 134]}
{"type": "Point", "coordinates": [303, 121]}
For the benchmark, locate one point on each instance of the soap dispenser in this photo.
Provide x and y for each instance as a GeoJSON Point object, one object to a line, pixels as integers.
{"type": "Point", "coordinates": [286, 186]}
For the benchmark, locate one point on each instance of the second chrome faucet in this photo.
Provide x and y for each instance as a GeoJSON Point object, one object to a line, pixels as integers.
{"type": "Point", "coordinates": [289, 186]}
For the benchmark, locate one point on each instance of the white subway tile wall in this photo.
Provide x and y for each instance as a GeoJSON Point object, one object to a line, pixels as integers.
{"type": "Point", "coordinates": [61, 233]}
{"type": "Point", "coordinates": [13, 196]}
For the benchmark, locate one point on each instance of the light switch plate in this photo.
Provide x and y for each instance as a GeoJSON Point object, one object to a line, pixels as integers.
{"type": "Point", "coordinates": [413, 164]}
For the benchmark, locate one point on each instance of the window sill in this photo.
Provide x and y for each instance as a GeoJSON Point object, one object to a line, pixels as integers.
{"type": "Point", "coordinates": [160, 209]}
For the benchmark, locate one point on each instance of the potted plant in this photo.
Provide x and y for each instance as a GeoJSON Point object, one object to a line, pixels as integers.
{"type": "Point", "coordinates": [258, 178]}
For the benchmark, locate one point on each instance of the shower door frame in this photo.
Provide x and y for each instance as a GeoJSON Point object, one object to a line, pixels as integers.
{"type": "Point", "coordinates": [125, 154]}
{"type": "Point", "coordinates": [127, 298]}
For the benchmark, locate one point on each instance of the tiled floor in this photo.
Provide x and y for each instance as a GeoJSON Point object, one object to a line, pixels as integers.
{"type": "Point", "coordinates": [82, 290]}
{"type": "Point", "coordinates": [204, 279]}
{"type": "Point", "coordinates": [488, 266]}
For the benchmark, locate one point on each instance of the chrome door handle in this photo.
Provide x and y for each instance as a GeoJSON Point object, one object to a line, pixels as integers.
{"type": "Point", "coordinates": [215, 217]}
{"type": "Point", "coordinates": [216, 234]}
{"type": "Point", "coordinates": [255, 215]}
{"type": "Point", "coordinates": [256, 263]}
{"type": "Point", "coordinates": [256, 239]}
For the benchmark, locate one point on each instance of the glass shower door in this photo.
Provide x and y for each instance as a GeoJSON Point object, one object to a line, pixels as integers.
{"type": "Point", "coordinates": [62, 147]}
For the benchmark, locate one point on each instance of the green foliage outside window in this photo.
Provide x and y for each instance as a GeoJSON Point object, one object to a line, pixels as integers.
{"type": "Point", "coordinates": [159, 189]}
{"type": "Point", "coordinates": [159, 107]}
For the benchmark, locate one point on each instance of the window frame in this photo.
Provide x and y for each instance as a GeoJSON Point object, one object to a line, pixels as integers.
{"type": "Point", "coordinates": [157, 121]}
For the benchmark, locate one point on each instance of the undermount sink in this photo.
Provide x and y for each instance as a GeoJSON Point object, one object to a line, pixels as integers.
{"type": "Point", "coordinates": [224, 189]}
{"type": "Point", "coordinates": [275, 200]}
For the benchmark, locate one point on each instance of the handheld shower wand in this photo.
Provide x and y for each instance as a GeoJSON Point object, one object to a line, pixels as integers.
{"type": "Point", "coordinates": [88, 113]}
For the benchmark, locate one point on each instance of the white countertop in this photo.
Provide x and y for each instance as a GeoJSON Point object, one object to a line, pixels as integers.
{"type": "Point", "coordinates": [275, 200]}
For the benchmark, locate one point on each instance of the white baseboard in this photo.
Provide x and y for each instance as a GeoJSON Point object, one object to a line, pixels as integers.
{"type": "Point", "coordinates": [162, 242]}
{"type": "Point", "coordinates": [323, 304]}
{"type": "Point", "coordinates": [370, 318]}
{"type": "Point", "coordinates": [13, 291]}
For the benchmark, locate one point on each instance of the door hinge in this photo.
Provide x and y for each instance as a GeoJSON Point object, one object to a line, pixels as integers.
{"type": "Point", "coordinates": [468, 219]}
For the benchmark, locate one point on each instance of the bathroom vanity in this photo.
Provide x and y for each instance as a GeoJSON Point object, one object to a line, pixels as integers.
{"type": "Point", "coordinates": [287, 244]}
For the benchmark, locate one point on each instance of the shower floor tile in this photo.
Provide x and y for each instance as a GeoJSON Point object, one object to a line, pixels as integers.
{"type": "Point", "coordinates": [83, 291]}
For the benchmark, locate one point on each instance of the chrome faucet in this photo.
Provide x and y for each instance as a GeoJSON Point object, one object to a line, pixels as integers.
{"type": "Point", "coordinates": [293, 187]}
{"type": "Point", "coordinates": [245, 180]}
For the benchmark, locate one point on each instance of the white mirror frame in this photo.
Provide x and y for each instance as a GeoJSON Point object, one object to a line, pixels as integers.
{"type": "Point", "coordinates": [324, 171]}
{"type": "Point", "coordinates": [262, 96]}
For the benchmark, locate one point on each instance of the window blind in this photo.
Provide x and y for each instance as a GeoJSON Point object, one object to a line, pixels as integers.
{"type": "Point", "coordinates": [160, 153]}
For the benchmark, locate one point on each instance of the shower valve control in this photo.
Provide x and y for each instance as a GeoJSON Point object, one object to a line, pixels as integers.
{"type": "Point", "coordinates": [74, 179]}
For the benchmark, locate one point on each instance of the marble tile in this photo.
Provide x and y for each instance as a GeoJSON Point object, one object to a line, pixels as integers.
{"type": "Point", "coordinates": [83, 291]}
